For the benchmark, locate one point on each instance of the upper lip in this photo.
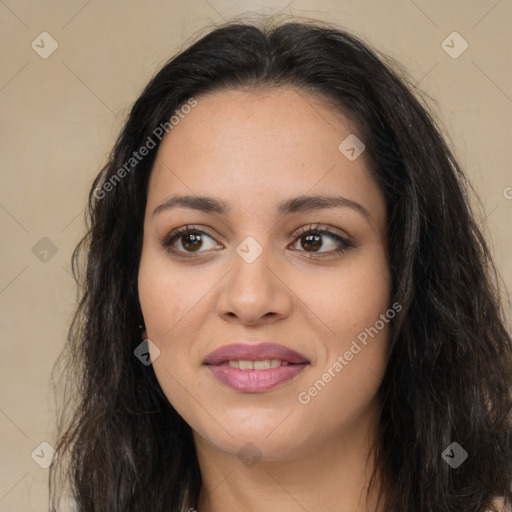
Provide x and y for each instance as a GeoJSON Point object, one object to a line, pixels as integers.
{"type": "Point", "coordinates": [254, 352]}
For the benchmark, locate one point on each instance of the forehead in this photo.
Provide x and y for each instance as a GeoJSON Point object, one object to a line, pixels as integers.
{"type": "Point", "coordinates": [251, 148]}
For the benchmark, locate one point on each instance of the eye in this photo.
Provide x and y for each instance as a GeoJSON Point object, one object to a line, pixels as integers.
{"type": "Point", "coordinates": [190, 239]}
{"type": "Point", "coordinates": [311, 238]}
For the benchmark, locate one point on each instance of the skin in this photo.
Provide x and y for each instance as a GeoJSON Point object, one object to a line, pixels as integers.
{"type": "Point", "coordinates": [253, 150]}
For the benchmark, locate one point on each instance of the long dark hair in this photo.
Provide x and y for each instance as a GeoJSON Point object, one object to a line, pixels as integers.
{"type": "Point", "coordinates": [449, 377]}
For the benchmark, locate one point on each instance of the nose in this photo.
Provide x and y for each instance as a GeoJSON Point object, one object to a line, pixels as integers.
{"type": "Point", "coordinates": [255, 293]}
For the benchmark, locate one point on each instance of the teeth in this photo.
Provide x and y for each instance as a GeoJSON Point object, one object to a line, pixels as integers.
{"type": "Point", "coordinates": [263, 364]}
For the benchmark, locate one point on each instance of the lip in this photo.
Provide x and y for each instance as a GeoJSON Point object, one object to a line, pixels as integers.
{"type": "Point", "coordinates": [254, 381]}
{"type": "Point", "coordinates": [254, 352]}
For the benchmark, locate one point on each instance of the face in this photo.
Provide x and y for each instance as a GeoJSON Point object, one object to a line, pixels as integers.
{"type": "Point", "coordinates": [255, 266]}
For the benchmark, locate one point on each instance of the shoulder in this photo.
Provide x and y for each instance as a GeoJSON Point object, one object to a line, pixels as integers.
{"type": "Point", "coordinates": [499, 505]}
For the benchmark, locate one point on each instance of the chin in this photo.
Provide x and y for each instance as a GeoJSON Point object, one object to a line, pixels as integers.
{"type": "Point", "coordinates": [249, 433]}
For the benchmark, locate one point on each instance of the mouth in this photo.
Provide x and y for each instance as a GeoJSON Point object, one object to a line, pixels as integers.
{"type": "Point", "coordinates": [251, 368]}
{"type": "Point", "coordinates": [262, 364]}
{"type": "Point", "coordinates": [260, 353]}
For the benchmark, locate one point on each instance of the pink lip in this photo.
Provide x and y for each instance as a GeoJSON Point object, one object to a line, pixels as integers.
{"type": "Point", "coordinates": [254, 381]}
{"type": "Point", "coordinates": [254, 352]}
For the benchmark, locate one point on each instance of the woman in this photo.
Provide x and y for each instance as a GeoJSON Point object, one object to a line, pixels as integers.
{"type": "Point", "coordinates": [287, 302]}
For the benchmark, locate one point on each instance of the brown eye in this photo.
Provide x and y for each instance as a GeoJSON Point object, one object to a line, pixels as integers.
{"type": "Point", "coordinates": [313, 239]}
{"type": "Point", "coordinates": [191, 241]}
{"type": "Point", "coordinates": [188, 240]}
{"type": "Point", "coordinates": [311, 242]}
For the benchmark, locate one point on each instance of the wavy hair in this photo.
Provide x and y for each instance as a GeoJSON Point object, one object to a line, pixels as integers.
{"type": "Point", "coordinates": [123, 447]}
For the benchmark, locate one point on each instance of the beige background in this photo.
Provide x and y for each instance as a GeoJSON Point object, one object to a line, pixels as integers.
{"type": "Point", "coordinates": [60, 116]}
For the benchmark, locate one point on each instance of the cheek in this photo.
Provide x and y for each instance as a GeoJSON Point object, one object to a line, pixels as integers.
{"type": "Point", "coordinates": [350, 300]}
{"type": "Point", "coordinates": [169, 302]}
{"type": "Point", "coordinates": [167, 297]}
{"type": "Point", "coordinates": [353, 353]}
{"type": "Point", "coordinates": [174, 304]}
{"type": "Point", "coordinates": [350, 304]}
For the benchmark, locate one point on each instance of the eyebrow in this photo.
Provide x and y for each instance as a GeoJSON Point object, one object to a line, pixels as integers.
{"type": "Point", "coordinates": [293, 205]}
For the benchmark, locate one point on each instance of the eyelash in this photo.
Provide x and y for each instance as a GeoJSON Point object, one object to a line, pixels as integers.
{"type": "Point", "coordinates": [168, 241]}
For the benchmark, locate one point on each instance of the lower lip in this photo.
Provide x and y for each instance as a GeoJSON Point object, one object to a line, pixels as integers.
{"type": "Point", "coordinates": [255, 381]}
